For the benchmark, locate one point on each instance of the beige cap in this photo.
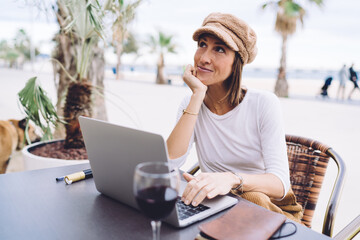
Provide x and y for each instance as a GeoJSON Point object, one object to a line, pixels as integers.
{"type": "Point", "coordinates": [234, 32]}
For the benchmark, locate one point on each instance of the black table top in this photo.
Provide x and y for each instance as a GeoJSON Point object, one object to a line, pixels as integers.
{"type": "Point", "coordinates": [35, 206]}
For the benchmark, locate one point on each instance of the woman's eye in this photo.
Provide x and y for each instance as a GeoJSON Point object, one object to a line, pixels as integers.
{"type": "Point", "coordinates": [220, 49]}
{"type": "Point", "coordinates": [202, 44]}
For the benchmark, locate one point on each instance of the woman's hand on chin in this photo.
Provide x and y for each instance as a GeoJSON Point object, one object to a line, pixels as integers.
{"type": "Point", "coordinates": [192, 81]}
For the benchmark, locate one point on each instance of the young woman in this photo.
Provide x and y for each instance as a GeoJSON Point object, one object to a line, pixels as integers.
{"type": "Point", "coordinates": [238, 132]}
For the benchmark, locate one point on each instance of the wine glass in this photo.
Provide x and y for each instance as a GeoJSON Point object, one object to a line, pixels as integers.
{"type": "Point", "coordinates": [156, 190]}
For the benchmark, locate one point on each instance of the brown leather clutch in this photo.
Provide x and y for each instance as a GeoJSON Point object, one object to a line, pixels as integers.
{"type": "Point", "coordinates": [245, 220]}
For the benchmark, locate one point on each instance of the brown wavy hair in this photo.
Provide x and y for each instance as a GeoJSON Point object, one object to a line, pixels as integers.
{"type": "Point", "coordinates": [236, 92]}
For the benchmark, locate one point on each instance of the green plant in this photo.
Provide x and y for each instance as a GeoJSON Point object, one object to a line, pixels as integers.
{"type": "Point", "coordinates": [161, 44]}
{"type": "Point", "coordinates": [288, 13]}
{"type": "Point", "coordinates": [38, 108]}
{"type": "Point", "coordinates": [18, 50]}
{"type": "Point", "coordinates": [122, 39]}
{"type": "Point", "coordinates": [82, 22]}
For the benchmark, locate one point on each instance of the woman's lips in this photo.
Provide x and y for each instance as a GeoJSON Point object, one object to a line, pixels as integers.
{"type": "Point", "coordinates": [204, 70]}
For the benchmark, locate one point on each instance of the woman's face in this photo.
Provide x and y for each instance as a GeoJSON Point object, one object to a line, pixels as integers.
{"type": "Point", "coordinates": [213, 60]}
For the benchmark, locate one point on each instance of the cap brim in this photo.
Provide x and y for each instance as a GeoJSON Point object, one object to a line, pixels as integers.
{"type": "Point", "coordinates": [219, 33]}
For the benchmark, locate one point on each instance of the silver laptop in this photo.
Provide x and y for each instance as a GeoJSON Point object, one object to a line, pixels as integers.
{"type": "Point", "coordinates": [114, 151]}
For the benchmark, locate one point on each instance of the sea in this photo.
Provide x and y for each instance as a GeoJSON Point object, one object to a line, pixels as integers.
{"type": "Point", "coordinates": [311, 74]}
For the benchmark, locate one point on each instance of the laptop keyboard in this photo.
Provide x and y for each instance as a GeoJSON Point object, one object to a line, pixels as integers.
{"type": "Point", "coordinates": [185, 211]}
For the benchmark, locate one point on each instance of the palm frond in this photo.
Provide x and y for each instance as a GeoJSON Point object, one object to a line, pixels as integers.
{"type": "Point", "coordinates": [108, 5]}
{"type": "Point", "coordinates": [270, 3]}
{"type": "Point", "coordinates": [85, 21]}
{"type": "Point", "coordinates": [320, 3]}
{"type": "Point", "coordinates": [152, 43]}
{"type": "Point", "coordinates": [292, 9]}
{"type": "Point", "coordinates": [95, 17]}
{"type": "Point", "coordinates": [288, 13]}
{"type": "Point", "coordinates": [69, 26]}
{"type": "Point", "coordinates": [171, 49]}
{"type": "Point", "coordinates": [38, 108]}
{"type": "Point", "coordinates": [161, 43]}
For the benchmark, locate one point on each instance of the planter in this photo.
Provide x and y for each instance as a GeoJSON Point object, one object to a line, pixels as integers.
{"type": "Point", "coordinates": [32, 161]}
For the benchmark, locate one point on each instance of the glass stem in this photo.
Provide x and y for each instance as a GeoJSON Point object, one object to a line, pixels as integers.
{"type": "Point", "coordinates": [155, 225]}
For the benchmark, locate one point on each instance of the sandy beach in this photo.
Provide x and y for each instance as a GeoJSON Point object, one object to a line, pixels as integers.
{"type": "Point", "coordinates": [153, 108]}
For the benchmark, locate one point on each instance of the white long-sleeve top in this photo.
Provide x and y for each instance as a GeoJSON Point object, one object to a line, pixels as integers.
{"type": "Point", "coordinates": [248, 139]}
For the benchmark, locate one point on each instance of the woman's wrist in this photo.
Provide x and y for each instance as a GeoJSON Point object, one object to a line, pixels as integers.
{"type": "Point", "coordinates": [239, 182]}
{"type": "Point", "coordinates": [195, 103]}
{"type": "Point", "coordinates": [199, 95]}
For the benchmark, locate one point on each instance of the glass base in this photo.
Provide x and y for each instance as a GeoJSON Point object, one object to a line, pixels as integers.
{"type": "Point", "coordinates": [156, 225]}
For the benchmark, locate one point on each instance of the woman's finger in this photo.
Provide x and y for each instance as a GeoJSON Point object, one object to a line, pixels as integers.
{"type": "Point", "coordinates": [188, 188]}
{"type": "Point", "coordinates": [202, 194]}
{"type": "Point", "coordinates": [191, 182]}
{"type": "Point", "coordinates": [188, 177]}
{"type": "Point", "coordinates": [188, 72]}
{"type": "Point", "coordinates": [192, 190]}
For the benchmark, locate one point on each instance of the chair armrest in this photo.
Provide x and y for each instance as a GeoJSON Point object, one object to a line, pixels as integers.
{"type": "Point", "coordinates": [330, 213]}
{"type": "Point", "coordinates": [350, 230]}
{"type": "Point", "coordinates": [194, 169]}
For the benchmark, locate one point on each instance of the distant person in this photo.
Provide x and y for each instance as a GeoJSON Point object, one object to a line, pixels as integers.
{"type": "Point", "coordinates": [342, 82]}
{"type": "Point", "coordinates": [325, 87]}
{"type": "Point", "coordinates": [353, 77]}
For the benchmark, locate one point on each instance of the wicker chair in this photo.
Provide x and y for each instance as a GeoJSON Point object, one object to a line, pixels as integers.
{"type": "Point", "coordinates": [308, 160]}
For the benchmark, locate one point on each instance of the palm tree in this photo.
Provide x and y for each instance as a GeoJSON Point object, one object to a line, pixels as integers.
{"type": "Point", "coordinates": [18, 51]}
{"type": "Point", "coordinates": [22, 43]}
{"type": "Point", "coordinates": [124, 15]}
{"type": "Point", "coordinates": [288, 13]}
{"type": "Point", "coordinates": [81, 28]}
{"type": "Point", "coordinates": [130, 45]}
{"type": "Point", "coordinates": [8, 54]}
{"type": "Point", "coordinates": [161, 45]}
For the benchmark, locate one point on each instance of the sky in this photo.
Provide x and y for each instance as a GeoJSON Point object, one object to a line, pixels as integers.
{"type": "Point", "coordinates": [329, 38]}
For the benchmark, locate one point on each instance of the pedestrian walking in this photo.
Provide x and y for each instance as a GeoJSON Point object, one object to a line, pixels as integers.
{"type": "Point", "coordinates": [353, 78]}
{"type": "Point", "coordinates": [342, 82]}
{"type": "Point", "coordinates": [324, 88]}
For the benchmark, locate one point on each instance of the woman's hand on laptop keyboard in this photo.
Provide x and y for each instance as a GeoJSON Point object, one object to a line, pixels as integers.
{"type": "Point", "coordinates": [207, 185]}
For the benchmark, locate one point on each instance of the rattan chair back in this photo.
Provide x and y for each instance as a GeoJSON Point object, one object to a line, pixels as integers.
{"type": "Point", "coordinates": [308, 161]}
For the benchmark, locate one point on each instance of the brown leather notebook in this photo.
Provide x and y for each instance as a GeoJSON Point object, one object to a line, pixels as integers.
{"type": "Point", "coordinates": [245, 220]}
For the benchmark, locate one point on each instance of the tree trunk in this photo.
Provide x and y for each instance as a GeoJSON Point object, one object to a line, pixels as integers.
{"type": "Point", "coordinates": [281, 86]}
{"type": "Point", "coordinates": [78, 103]}
{"type": "Point", "coordinates": [96, 75]}
{"type": "Point", "coordinates": [160, 76]}
{"type": "Point", "coordinates": [118, 63]}
{"type": "Point", "coordinates": [64, 52]}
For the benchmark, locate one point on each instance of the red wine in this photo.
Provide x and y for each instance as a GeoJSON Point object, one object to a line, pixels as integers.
{"type": "Point", "coordinates": [156, 202]}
